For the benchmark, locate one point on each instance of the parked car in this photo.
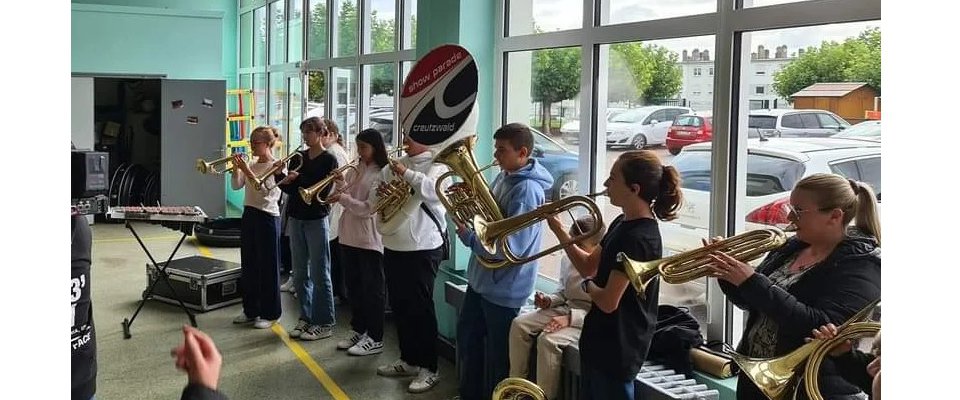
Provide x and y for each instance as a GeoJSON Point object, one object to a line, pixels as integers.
{"type": "Point", "coordinates": [641, 127]}
{"type": "Point", "coordinates": [774, 166]}
{"type": "Point", "coordinates": [688, 129]}
{"type": "Point", "coordinates": [570, 131]}
{"type": "Point", "coordinates": [869, 130]}
{"type": "Point", "coordinates": [796, 123]}
{"type": "Point", "coordinates": [562, 163]}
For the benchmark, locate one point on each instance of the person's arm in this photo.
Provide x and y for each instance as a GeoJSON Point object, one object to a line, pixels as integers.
{"type": "Point", "coordinates": [237, 180]}
{"type": "Point", "coordinates": [360, 207]}
{"type": "Point", "coordinates": [194, 391]}
{"type": "Point", "coordinates": [291, 182]}
{"type": "Point", "coordinates": [424, 183]}
{"type": "Point", "coordinates": [852, 367]}
{"type": "Point", "coordinates": [585, 263]}
{"type": "Point", "coordinates": [607, 298]}
{"type": "Point", "coordinates": [522, 198]}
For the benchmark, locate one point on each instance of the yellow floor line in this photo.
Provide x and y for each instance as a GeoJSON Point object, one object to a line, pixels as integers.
{"type": "Point", "coordinates": [204, 251]}
{"type": "Point", "coordinates": [312, 365]}
{"type": "Point", "coordinates": [133, 239]}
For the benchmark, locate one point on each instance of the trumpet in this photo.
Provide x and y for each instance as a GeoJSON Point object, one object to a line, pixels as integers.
{"type": "Point", "coordinates": [493, 235]}
{"type": "Point", "coordinates": [778, 377]}
{"type": "Point", "coordinates": [313, 192]}
{"type": "Point", "coordinates": [261, 180]}
{"type": "Point", "coordinates": [398, 191]}
{"type": "Point", "coordinates": [694, 264]}
{"type": "Point", "coordinates": [220, 165]}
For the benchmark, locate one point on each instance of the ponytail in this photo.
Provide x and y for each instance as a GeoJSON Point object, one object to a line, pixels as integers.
{"type": "Point", "coordinates": [856, 199]}
{"type": "Point", "coordinates": [867, 220]}
{"type": "Point", "coordinates": [668, 200]}
{"type": "Point", "coordinates": [660, 184]}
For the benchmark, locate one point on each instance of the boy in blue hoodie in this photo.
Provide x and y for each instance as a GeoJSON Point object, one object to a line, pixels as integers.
{"type": "Point", "coordinates": [494, 296]}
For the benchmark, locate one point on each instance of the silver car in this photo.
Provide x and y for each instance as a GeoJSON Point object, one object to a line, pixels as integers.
{"type": "Point", "coordinates": [796, 123]}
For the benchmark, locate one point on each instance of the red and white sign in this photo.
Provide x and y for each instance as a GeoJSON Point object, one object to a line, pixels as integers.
{"type": "Point", "coordinates": [437, 105]}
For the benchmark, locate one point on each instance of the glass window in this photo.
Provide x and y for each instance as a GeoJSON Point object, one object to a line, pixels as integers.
{"type": "Point", "coordinates": [688, 121]}
{"type": "Point", "coordinates": [762, 3]}
{"type": "Point", "coordinates": [278, 33]}
{"type": "Point", "coordinates": [295, 100]}
{"type": "Point", "coordinates": [539, 16]}
{"type": "Point", "coordinates": [245, 3]}
{"type": "Point", "coordinates": [541, 88]}
{"type": "Point", "coordinates": [278, 101]}
{"type": "Point", "coordinates": [317, 30]}
{"type": "Point", "coordinates": [870, 173]}
{"type": "Point", "coordinates": [383, 26]}
{"type": "Point", "coordinates": [763, 122]}
{"type": "Point", "coordinates": [410, 28]}
{"type": "Point", "coordinates": [847, 168]}
{"type": "Point", "coordinates": [344, 102]}
{"type": "Point", "coordinates": [260, 98]}
{"type": "Point", "coordinates": [382, 79]}
{"type": "Point", "coordinates": [760, 89]}
{"type": "Point", "coordinates": [828, 122]}
{"type": "Point", "coordinates": [621, 11]}
{"type": "Point", "coordinates": [260, 37]}
{"type": "Point", "coordinates": [246, 40]}
{"type": "Point", "coordinates": [810, 121]}
{"type": "Point", "coordinates": [295, 32]}
{"type": "Point", "coordinates": [316, 94]}
{"type": "Point", "coordinates": [345, 31]}
{"type": "Point", "coordinates": [791, 121]}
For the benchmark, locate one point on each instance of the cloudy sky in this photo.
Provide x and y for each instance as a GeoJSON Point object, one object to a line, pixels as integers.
{"type": "Point", "coordinates": [553, 15]}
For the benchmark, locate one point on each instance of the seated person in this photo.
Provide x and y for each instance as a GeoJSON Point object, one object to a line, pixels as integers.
{"type": "Point", "coordinates": [859, 368]}
{"type": "Point", "coordinates": [556, 324]}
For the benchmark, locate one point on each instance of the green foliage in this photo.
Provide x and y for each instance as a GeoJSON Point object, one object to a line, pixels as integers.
{"type": "Point", "coordinates": [855, 60]}
{"type": "Point", "coordinates": [653, 71]}
{"type": "Point", "coordinates": [556, 77]}
{"type": "Point", "coordinates": [666, 75]}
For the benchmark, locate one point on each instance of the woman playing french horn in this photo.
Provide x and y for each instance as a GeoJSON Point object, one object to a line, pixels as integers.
{"type": "Point", "coordinates": [825, 274]}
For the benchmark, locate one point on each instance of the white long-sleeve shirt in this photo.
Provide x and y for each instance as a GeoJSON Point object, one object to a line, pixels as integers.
{"type": "Point", "coordinates": [358, 225]}
{"type": "Point", "coordinates": [260, 199]}
{"type": "Point", "coordinates": [415, 231]}
{"type": "Point", "coordinates": [336, 210]}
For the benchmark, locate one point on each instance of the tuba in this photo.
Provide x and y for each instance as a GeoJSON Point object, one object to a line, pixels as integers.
{"type": "Point", "coordinates": [518, 389]}
{"type": "Point", "coordinates": [694, 264]}
{"type": "Point", "coordinates": [261, 180]}
{"type": "Point", "coordinates": [778, 378]}
{"type": "Point", "coordinates": [313, 192]}
{"type": "Point", "coordinates": [220, 165]}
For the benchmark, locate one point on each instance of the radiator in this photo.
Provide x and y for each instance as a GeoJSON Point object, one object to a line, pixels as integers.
{"type": "Point", "coordinates": [654, 382]}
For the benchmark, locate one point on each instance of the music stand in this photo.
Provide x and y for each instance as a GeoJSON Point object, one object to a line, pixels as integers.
{"type": "Point", "coordinates": [181, 222]}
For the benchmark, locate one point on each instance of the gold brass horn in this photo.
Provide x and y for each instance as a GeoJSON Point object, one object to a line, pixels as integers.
{"type": "Point", "coordinates": [313, 192]}
{"type": "Point", "coordinates": [261, 180]}
{"type": "Point", "coordinates": [472, 197]}
{"type": "Point", "coordinates": [518, 389]}
{"type": "Point", "coordinates": [493, 235]}
{"type": "Point", "coordinates": [778, 377]}
{"type": "Point", "coordinates": [219, 166]}
{"type": "Point", "coordinates": [811, 372]}
{"type": "Point", "coordinates": [398, 191]}
{"type": "Point", "coordinates": [694, 264]}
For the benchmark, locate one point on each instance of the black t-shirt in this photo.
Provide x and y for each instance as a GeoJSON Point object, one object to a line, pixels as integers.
{"type": "Point", "coordinates": [310, 172]}
{"type": "Point", "coordinates": [617, 343]}
{"type": "Point", "coordinates": [83, 343]}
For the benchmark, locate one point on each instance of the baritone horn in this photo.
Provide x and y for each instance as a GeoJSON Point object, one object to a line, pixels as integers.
{"type": "Point", "coordinates": [220, 165]}
{"type": "Point", "coordinates": [778, 377]}
{"type": "Point", "coordinates": [261, 180]}
{"type": "Point", "coordinates": [493, 235]}
{"type": "Point", "coordinates": [694, 264]}
{"type": "Point", "coordinates": [398, 191]}
{"type": "Point", "coordinates": [313, 192]}
{"type": "Point", "coordinates": [472, 197]}
{"type": "Point", "coordinates": [518, 389]}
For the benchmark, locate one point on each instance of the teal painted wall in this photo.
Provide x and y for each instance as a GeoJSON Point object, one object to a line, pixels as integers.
{"type": "Point", "coordinates": [469, 23]}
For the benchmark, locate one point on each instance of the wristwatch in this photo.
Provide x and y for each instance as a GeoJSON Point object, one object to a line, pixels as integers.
{"type": "Point", "coordinates": [583, 284]}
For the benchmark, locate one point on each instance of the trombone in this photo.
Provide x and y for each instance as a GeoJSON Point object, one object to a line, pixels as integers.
{"type": "Point", "coordinates": [313, 192]}
{"type": "Point", "coordinates": [261, 180]}
{"type": "Point", "coordinates": [220, 165]}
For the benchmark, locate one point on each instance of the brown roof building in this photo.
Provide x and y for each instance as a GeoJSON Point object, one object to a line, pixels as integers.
{"type": "Point", "coordinates": [850, 100]}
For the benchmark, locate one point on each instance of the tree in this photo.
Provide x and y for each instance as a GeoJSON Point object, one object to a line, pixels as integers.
{"type": "Point", "coordinates": [556, 77]}
{"type": "Point", "coordinates": [666, 76]}
{"type": "Point", "coordinates": [855, 60]}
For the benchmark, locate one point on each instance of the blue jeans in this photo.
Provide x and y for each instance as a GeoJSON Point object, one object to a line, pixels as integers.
{"type": "Point", "coordinates": [595, 384]}
{"type": "Point", "coordinates": [310, 255]}
{"type": "Point", "coordinates": [483, 337]}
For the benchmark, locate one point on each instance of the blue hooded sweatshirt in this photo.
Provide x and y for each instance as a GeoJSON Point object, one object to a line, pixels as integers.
{"type": "Point", "coordinates": [516, 193]}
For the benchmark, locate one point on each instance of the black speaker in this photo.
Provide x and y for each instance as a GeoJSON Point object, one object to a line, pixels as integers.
{"type": "Point", "coordinates": [89, 173]}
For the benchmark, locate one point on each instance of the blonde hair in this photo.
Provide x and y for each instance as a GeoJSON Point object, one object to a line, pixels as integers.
{"type": "Point", "coordinates": [333, 129]}
{"type": "Point", "coordinates": [856, 199]}
{"type": "Point", "coordinates": [267, 134]}
{"type": "Point", "coordinates": [585, 224]}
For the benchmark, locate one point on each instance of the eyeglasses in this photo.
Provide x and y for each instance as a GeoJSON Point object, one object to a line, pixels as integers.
{"type": "Point", "coordinates": [794, 213]}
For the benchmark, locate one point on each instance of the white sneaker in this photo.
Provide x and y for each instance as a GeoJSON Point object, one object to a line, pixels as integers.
{"type": "Point", "coordinates": [349, 342]}
{"type": "Point", "coordinates": [243, 319]}
{"type": "Point", "coordinates": [398, 368]}
{"type": "Point", "coordinates": [299, 329]}
{"type": "Point", "coordinates": [263, 323]}
{"type": "Point", "coordinates": [365, 347]}
{"type": "Point", "coordinates": [425, 381]}
{"type": "Point", "coordinates": [315, 332]}
{"type": "Point", "coordinates": [288, 286]}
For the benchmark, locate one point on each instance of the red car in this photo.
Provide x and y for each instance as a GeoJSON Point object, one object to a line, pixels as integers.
{"type": "Point", "coordinates": [689, 129]}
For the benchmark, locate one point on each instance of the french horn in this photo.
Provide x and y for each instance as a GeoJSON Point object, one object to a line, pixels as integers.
{"type": "Point", "coordinates": [518, 389]}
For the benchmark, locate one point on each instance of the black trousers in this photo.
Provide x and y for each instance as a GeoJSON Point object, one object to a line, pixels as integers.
{"type": "Point", "coordinates": [260, 263]}
{"type": "Point", "coordinates": [337, 276]}
{"type": "Point", "coordinates": [410, 276]}
{"type": "Point", "coordinates": [363, 270]}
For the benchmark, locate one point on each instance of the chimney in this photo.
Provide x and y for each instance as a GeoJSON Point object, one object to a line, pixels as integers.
{"type": "Point", "coordinates": [761, 53]}
{"type": "Point", "coordinates": [705, 55]}
{"type": "Point", "coordinates": [685, 57]}
{"type": "Point", "coordinates": [696, 54]}
{"type": "Point", "coordinates": [800, 53]}
{"type": "Point", "coordinates": [753, 56]}
{"type": "Point", "coordinates": [766, 53]}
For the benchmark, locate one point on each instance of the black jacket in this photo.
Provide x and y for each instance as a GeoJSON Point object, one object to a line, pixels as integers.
{"type": "Point", "coordinates": [195, 391]}
{"type": "Point", "coordinates": [844, 283]}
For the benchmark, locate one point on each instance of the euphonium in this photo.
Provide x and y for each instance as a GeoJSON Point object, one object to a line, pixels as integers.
{"type": "Point", "coordinates": [261, 180]}
{"type": "Point", "coordinates": [694, 264]}
{"type": "Point", "coordinates": [219, 166]}
{"type": "Point", "coordinates": [313, 192]}
{"type": "Point", "coordinates": [398, 191]}
{"type": "Point", "coordinates": [518, 389]}
{"type": "Point", "coordinates": [778, 377]}
{"type": "Point", "coordinates": [472, 197]}
{"type": "Point", "coordinates": [493, 235]}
